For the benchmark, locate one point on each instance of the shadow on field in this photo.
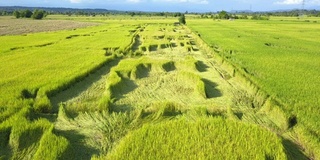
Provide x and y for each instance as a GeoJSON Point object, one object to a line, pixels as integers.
{"type": "Point", "coordinates": [5, 153]}
{"type": "Point", "coordinates": [127, 86]}
{"type": "Point", "coordinates": [174, 45]}
{"type": "Point", "coordinates": [153, 48]}
{"type": "Point", "coordinates": [121, 108]}
{"type": "Point", "coordinates": [5, 150]}
{"type": "Point", "coordinates": [81, 86]}
{"type": "Point", "coordinates": [201, 67]}
{"type": "Point", "coordinates": [293, 151]}
{"type": "Point", "coordinates": [26, 140]}
{"type": "Point", "coordinates": [168, 67]}
{"type": "Point", "coordinates": [76, 149]}
{"type": "Point", "coordinates": [211, 91]}
{"type": "Point", "coordinates": [143, 71]}
{"type": "Point", "coordinates": [136, 44]}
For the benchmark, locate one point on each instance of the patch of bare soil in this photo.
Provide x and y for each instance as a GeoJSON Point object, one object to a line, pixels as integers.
{"type": "Point", "coordinates": [25, 26]}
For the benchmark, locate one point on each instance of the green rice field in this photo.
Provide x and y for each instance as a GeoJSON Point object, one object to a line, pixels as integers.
{"type": "Point", "coordinates": [123, 87]}
{"type": "Point", "coordinates": [281, 58]}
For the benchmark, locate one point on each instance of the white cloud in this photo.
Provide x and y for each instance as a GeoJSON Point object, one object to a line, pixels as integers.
{"type": "Point", "coordinates": [134, 1]}
{"type": "Point", "coordinates": [184, 1]}
{"type": "Point", "coordinates": [140, 1]}
{"type": "Point", "coordinates": [289, 2]}
{"type": "Point", "coordinates": [199, 1]}
{"type": "Point", "coordinates": [294, 2]}
{"type": "Point", "coordinates": [75, 1]}
{"type": "Point", "coordinates": [316, 2]}
{"type": "Point", "coordinates": [81, 1]}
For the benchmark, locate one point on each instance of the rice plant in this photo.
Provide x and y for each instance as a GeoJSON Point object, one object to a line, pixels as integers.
{"type": "Point", "coordinates": [206, 138]}
{"type": "Point", "coordinates": [278, 59]}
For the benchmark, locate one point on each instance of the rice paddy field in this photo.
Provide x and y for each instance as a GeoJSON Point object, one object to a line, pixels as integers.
{"type": "Point", "coordinates": [123, 87]}
{"type": "Point", "coordinates": [281, 58]}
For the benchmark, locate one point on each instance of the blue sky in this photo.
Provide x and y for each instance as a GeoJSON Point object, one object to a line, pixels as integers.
{"type": "Point", "coordinates": [169, 5]}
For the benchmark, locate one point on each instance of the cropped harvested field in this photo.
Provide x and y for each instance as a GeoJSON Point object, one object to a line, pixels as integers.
{"type": "Point", "coordinates": [10, 26]}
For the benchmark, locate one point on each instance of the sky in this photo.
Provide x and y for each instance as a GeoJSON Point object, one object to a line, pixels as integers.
{"type": "Point", "coordinates": [170, 5]}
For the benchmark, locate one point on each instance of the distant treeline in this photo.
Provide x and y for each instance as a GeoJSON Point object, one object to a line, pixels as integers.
{"type": "Point", "coordinates": [258, 15]}
{"type": "Point", "coordinates": [4, 11]}
{"type": "Point", "coordinates": [7, 11]}
{"type": "Point", "coordinates": [36, 14]}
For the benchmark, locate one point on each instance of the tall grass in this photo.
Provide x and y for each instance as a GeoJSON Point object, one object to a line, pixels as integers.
{"type": "Point", "coordinates": [38, 66]}
{"type": "Point", "coordinates": [199, 85]}
{"type": "Point", "coordinates": [51, 146]}
{"type": "Point", "coordinates": [101, 130]}
{"type": "Point", "coordinates": [162, 129]}
{"type": "Point", "coordinates": [207, 138]}
{"type": "Point", "coordinates": [30, 139]}
{"type": "Point", "coordinates": [155, 37]}
{"type": "Point", "coordinates": [280, 62]}
{"type": "Point", "coordinates": [80, 54]}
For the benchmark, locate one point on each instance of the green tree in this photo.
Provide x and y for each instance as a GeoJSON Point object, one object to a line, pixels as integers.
{"type": "Point", "coordinates": [244, 17]}
{"type": "Point", "coordinates": [223, 15]}
{"type": "Point", "coordinates": [27, 13]}
{"type": "Point", "coordinates": [132, 14]}
{"type": "Point", "coordinates": [177, 14]}
{"type": "Point", "coordinates": [17, 14]}
{"type": "Point", "coordinates": [255, 17]}
{"type": "Point", "coordinates": [4, 13]}
{"type": "Point", "coordinates": [38, 14]}
{"type": "Point", "coordinates": [182, 19]}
